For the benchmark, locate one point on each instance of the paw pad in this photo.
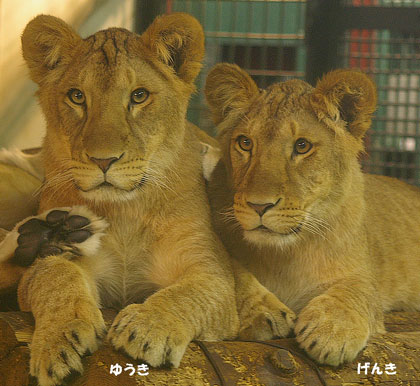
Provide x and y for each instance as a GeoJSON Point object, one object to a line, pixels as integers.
{"type": "Point", "coordinates": [55, 235]}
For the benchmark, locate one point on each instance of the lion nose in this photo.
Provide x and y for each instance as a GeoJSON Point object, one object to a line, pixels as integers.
{"type": "Point", "coordinates": [261, 208]}
{"type": "Point", "coordinates": [104, 163]}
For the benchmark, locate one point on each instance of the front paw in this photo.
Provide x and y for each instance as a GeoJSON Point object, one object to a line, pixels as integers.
{"type": "Point", "coordinates": [268, 319]}
{"type": "Point", "coordinates": [330, 331]}
{"type": "Point", "coordinates": [62, 231]}
{"type": "Point", "coordinates": [57, 351]}
{"type": "Point", "coordinates": [154, 336]}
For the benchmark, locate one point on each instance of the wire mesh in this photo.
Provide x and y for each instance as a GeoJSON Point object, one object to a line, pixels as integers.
{"type": "Point", "coordinates": [265, 37]}
{"type": "Point", "coordinates": [392, 59]}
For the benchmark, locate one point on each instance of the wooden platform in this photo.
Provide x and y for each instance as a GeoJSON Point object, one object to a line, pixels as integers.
{"type": "Point", "coordinates": [271, 363]}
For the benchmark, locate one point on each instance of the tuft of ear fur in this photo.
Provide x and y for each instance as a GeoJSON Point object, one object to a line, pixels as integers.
{"type": "Point", "coordinates": [45, 40]}
{"type": "Point", "coordinates": [228, 88]}
{"type": "Point", "coordinates": [178, 41]}
{"type": "Point", "coordinates": [349, 95]}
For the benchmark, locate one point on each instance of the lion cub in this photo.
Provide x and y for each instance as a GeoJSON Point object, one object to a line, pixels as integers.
{"type": "Point", "coordinates": [124, 216]}
{"type": "Point", "coordinates": [290, 202]}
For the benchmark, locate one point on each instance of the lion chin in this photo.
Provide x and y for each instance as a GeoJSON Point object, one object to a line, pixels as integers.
{"type": "Point", "coordinates": [106, 192]}
{"type": "Point", "coordinates": [264, 236]}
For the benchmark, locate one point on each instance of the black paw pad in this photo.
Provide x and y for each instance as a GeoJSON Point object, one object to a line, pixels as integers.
{"type": "Point", "coordinates": [78, 236]}
{"type": "Point", "coordinates": [76, 222]}
{"type": "Point", "coordinates": [56, 217]}
{"type": "Point", "coordinates": [37, 238]}
{"type": "Point", "coordinates": [33, 225]}
{"type": "Point", "coordinates": [25, 256]}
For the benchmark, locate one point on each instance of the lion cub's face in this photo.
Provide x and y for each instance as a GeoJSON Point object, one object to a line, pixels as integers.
{"type": "Point", "coordinates": [115, 102]}
{"type": "Point", "coordinates": [113, 108]}
{"type": "Point", "coordinates": [288, 155]}
{"type": "Point", "coordinates": [281, 171]}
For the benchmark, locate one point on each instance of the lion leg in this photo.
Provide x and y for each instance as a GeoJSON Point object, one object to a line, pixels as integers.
{"type": "Point", "coordinates": [159, 330]}
{"type": "Point", "coordinates": [61, 294]}
{"type": "Point", "coordinates": [69, 324]}
{"type": "Point", "coordinates": [262, 315]}
{"type": "Point", "coordinates": [196, 299]}
{"type": "Point", "coordinates": [335, 326]}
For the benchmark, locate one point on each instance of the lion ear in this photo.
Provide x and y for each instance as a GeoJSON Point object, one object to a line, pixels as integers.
{"type": "Point", "coordinates": [349, 95]}
{"type": "Point", "coordinates": [45, 41]}
{"type": "Point", "coordinates": [178, 41]}
{"type": "Point", "coordinates": [228, 87]}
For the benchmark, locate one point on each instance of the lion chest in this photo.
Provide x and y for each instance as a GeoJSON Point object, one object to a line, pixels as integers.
{"type": "Point", "coordinates": [295, 278]}
{"type": "Point", "coordinates": [123, 268]}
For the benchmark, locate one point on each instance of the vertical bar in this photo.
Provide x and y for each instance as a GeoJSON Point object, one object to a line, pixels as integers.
{"type": "Point", "coordinates": [146, 11]}
{"type": "Point", "coordinates": [247, 39]}
{"type": "Point", "coordinates": [321, 22]}
{"type": "Point", "coordinates": [233, 29]}
{"type": "Point", "coordinates": [264, 61]}
{"type": "Point", "coordinates": [202, 105]}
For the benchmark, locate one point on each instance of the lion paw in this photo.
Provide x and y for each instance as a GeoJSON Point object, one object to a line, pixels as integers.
{"type": "Point", "coordinates": [151, 335]}
{"type": "Point", "coordinates": [74, 231]}
{"type": "Point", "coordinates": [57, 353]}
{"type": "Point", "coordinates": [331, 332]}
{"type": "Point", "coordinates": [269, 320]}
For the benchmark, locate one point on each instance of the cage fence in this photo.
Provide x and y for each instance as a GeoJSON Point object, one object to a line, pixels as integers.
{"type": "Point", "coordinates": [391, 57]}
{"type": "Point", "coordinates": [264, 37]}
{"type": "Point", "coordinates": [272, 40]}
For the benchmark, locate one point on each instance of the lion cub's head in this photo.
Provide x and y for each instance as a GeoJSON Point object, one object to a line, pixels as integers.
{"type": "Point", "coordinates": [115, 102]}
{"type": "Point", "coordinates": [290, 151]}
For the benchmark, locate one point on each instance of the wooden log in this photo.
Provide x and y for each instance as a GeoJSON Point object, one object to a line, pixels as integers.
{"type": "Point", "coordinates": [272, 363]}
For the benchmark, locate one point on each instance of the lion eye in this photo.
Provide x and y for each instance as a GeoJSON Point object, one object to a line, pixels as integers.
{"type": "Point", "coordinates": [76, 96]}
{"type": "Point", "coordinates": [302, 146]}
{"type": "Point", "coordinates": [245, 143]}
{"type": "Point", "coordinates": [139, 96]}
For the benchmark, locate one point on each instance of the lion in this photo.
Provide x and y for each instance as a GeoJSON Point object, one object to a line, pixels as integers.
{"type": "Point", "coordinates": [124, 220]}
{"type": "Point", "coordinates": [289, 200]}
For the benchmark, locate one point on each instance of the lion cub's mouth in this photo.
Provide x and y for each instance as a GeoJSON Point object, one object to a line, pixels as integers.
{"type": "Point", "coordinates": [108, 186]}
{"type": "Point", "coordinates": [263, 228]}
{"type": "Point", "coordinates": [105, 184]}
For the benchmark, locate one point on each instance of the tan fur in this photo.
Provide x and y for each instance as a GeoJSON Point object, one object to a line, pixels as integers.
{"type": "Point", "coordinates": [340, 247]}
{"type": "Point", "coordinates": [18, 197]}
{"type": "Point", "coordinates": [158, 249]}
